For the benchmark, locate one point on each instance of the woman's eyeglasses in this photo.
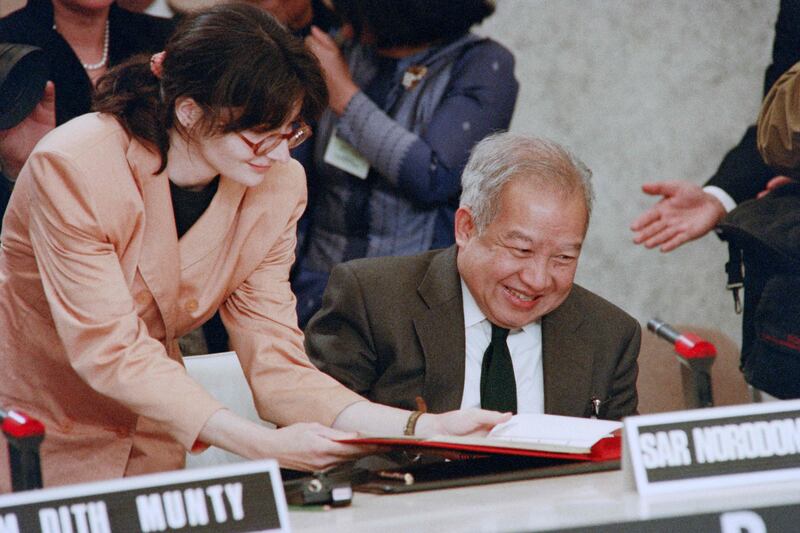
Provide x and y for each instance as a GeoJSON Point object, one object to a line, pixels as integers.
{"type": "Point", "coordinates": [300, 133]}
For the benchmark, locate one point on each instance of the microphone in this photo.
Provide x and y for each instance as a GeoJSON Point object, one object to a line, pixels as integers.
{"type": "Point", "coordinates": [696, 356]}
{"type": "Point", "coordinates": [686, 345]}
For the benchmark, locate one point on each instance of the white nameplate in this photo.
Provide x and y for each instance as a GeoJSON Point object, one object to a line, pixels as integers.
{"type": "Point", "coordinates": [716, 447]}
{"type": "Point", "coordinates": [245, 496]}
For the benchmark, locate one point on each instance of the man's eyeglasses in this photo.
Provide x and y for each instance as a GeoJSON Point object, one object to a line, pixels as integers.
{"type": "Point", "coordinates": [300, 133]}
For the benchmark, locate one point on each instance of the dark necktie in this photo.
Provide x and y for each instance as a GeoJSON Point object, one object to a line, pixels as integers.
{"type": "Point", "coordinates": [498, 386]}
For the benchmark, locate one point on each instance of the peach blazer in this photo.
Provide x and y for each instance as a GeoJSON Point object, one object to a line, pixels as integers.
{"type": "Point", "coordinates": [95, 287]}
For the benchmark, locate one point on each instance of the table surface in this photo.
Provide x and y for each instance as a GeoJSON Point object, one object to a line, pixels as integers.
{"type": "Point", "coordinates": [550, 503]}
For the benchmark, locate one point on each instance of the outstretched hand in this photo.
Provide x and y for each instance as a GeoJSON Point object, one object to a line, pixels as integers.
{"type": "Point", "coordinates": [477, 422]}
{"type": "Point", "coordinates": [684, 213]}
{"type": "Point", "coordinates": [17, 143]}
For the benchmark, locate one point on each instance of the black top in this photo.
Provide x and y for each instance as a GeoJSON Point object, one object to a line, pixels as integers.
{"type": "Point", "coordinates": [129, 34]}
{"type": "Point", "coordinates": [6, 186]}
{"type": "Point", "coordinates": [189, 206]}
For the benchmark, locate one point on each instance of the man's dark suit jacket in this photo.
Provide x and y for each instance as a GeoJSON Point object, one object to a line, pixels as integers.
{"type": "Point", "coordinates": [392, 329]}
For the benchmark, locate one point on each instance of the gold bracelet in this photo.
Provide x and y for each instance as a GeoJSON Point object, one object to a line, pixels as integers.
{"type": "Point", "coordinates": [412, 423]}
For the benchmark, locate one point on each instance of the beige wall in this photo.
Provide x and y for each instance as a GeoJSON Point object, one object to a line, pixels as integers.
{"type": "Point", "coordinates": [642, 90]}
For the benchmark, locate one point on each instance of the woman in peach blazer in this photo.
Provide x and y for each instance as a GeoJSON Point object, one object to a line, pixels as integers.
{"type": "Point", "coordinates": [96, 285]}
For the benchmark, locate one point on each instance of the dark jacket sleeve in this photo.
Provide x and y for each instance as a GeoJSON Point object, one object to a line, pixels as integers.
{"type": "Point", "coordinates": [742, 173]}
{"type": "Point", "coordinates": [338, 339]}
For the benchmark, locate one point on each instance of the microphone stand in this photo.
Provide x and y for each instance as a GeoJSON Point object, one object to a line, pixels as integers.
{"type": "Point", "coordinates": [696, 357]}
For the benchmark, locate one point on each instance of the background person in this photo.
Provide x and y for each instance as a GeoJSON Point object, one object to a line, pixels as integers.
{"type": "Point", "coordinates": [396, 328]}
{"type": "Point", "coordinates": [411, 96]}
{"type": "Point", "coordinates": [81, 39]}
{"type": "Point", "coordinates": [132, 226]}
{"type": "Point", "coordinates": [27, 109]}
{"type": "Point", "coordinates": [687, 211]}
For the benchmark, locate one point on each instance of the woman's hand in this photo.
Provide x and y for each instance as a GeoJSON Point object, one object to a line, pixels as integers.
{"type": "Point", "coordinates": [306, 446]}
{"type": "Point", "coordinates": [311, 446]}
{"type": "Point", "coordinates": [337, 74]}
{"type": "Point", "coordinates": [463, 422]}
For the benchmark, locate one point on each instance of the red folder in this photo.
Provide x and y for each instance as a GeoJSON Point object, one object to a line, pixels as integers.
{"type": "Point", "coordinates": [605, 449]}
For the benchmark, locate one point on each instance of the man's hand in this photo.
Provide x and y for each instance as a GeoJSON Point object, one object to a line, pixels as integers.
{"type": "Point", "coordinates": [337, 74]}
{"type": "Point", "coordinates": [461, 422]}
{"type": "Point", "coordinates": [683, 214]}
{"type": "Point", "coordinates": [17, 143]}
{"type": "Point", "coordinates": [774, 183]}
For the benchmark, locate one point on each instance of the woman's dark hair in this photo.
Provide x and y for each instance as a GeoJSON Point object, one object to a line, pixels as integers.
{"type": "Point", "coordinates": [237, 62]}
{"type": "Point", "coordinates": [412, 22]}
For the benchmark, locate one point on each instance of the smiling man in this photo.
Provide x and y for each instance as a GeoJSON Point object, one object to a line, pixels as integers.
{"type": "Point", "coordinates": [494, 321]}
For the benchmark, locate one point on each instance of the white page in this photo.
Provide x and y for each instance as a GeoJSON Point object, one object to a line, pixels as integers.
{"type": "Point", "coordinates": [554, 429]}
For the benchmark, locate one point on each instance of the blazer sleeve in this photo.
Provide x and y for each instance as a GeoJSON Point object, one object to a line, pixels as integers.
{"type": "Point", "coordinates": [261, 321]}
{"type": "Point", "coordinates": [338, 338]}
{"type": "Point", "coordinates": [779, 124]}
{"type": "Point", "coordinates": [105, 341]}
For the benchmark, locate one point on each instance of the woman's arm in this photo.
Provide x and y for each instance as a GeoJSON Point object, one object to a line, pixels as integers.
{"type": "Point", "coordinates": [384, 420]}
{"type": "Point", "coordinates": [302, 446]}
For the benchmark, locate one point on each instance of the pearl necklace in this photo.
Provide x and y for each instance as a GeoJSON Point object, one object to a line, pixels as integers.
{"type": "Point", "coordinates": [104, 59]}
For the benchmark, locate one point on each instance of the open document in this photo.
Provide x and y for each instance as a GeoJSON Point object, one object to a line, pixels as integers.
{"type": "Point", "coordinates": [536, 435]}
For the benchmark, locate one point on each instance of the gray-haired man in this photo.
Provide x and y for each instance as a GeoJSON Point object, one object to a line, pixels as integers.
{"type": "Point", "coordinates": [494, 321]}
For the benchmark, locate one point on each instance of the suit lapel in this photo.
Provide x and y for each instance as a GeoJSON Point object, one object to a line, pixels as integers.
{"type": "Point", "coordinates": [567, 367]}
{"type": "Point", "coordinates": [159, 262]}
{"type": "Point", "coordinates": [440, 329]}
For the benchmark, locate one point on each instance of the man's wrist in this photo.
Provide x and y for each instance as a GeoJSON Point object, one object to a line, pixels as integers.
{"type": "Point", "coordinates": [725, 199]}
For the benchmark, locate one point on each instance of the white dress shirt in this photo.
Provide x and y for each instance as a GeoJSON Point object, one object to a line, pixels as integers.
{"type": "Point", "coordinates": [725, 199]}
{"type": "Point", "coordinates": [525, 345]}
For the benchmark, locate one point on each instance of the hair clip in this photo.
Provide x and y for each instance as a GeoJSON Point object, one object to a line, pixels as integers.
{"type": "Point", "coordinates": [157, 64]}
